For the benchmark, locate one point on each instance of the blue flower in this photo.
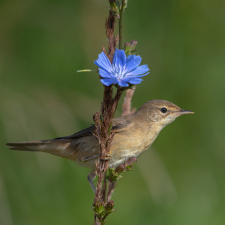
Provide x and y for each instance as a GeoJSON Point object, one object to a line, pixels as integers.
{"type": "Point", "coordinates": [123, 70]}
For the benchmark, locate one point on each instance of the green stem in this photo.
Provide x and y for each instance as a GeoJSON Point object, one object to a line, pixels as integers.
{"type": "Point", "coordinates": [106, 186]}
{"type": "Point", "coordinates": [121, 25]}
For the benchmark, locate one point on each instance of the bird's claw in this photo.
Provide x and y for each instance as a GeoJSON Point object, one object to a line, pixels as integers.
{"type": "Point", "coordinates": [108, 156]}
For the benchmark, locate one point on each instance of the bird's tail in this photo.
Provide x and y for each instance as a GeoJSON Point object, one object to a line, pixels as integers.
{"type": "Point", "coordinates": [60, 147]}
{"type": "Point", "coordinates": [31, 146]}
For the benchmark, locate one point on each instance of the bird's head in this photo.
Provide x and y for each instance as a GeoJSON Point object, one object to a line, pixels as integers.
{"type": "Point", "coordinates": [162, 112]}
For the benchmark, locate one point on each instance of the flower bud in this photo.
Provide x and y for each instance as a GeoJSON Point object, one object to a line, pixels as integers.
{"type": "Point", "coordinates": [133, 44]}
{"type": "Point", "coordinates": [120, 169]}
{"type": "Point", "coordinates": [129, 164]}
{"type": "Point", "coordinates": [99, 207]}
{"type": "Point", "coordinates": [129, 48]}
{"type": "Point", "coordinates": [114, 8]}
{"type": "Point", "coordinates": [110, 205]}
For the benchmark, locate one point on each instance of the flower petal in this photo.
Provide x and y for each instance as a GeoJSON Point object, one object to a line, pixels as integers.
{"type": "Point", "coordinates": [138, 71]}
{"type": "Point", "coordinates": [119, 58]}
{"type": "Point", "coordinates": [104, 74]}
{"type": "Point", "coordinates": [132, 62]}
{"type": "Point", "coordinates": [135, 81]}
{"type": "Point", "coordinates": [137, 76]}
{"type": "Point", "coordinates": [108, 82]}
{"type": "Point", "coordinates": [103, 62]}
{"type": "Point", "coordinates": [122, 83]}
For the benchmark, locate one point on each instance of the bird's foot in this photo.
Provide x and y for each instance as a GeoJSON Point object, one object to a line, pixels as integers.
{"type": "Point", "coordinates": [108, 156]}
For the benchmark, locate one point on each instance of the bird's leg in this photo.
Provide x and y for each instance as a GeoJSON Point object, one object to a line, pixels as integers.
{"type": "Point", "coordinates": [91, 176]}
{"type": "Point", "coordinates": [84, 159]}
{"type": "Point", "coordinates": [108, 156]}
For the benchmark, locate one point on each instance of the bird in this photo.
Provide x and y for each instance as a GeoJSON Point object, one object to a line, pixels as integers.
{"type": "Point", "coordinates": [133, 134]}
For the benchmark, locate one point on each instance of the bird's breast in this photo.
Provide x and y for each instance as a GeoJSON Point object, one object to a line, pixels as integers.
{"type": "Point", "coordinates": [132, 144]}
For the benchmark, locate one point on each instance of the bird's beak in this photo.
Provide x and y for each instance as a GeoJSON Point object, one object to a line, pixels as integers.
{"type": "Point", "coordinates": [182, 112]}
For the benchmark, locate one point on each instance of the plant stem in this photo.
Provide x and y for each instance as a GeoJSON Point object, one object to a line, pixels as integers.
{"type": "Point", "coordinates": [121, 25]}
{"type": "Point", "coordinates": [106, 186]}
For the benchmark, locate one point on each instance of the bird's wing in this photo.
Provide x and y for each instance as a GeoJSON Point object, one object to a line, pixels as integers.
{"type": "Point", "coordinates": [82, 133]}
{"type": "Point", "coordinates": [121, 124]}
{"type": "Point", "coordinates": [118, 126]}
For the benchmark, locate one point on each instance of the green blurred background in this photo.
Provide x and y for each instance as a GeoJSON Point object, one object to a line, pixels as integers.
{"type": "Point", "coordinates": [44, 43]}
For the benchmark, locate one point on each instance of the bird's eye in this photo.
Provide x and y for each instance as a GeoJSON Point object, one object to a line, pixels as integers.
{"type": "Point", "coordinates": [163, 110]}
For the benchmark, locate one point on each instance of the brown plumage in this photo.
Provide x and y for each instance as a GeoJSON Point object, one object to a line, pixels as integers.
{"type": "Point", "coordinates": [133, 135]}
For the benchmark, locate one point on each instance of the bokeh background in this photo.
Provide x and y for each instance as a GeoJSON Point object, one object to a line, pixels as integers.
{"type": "Point", "coordinates": [181, 180]}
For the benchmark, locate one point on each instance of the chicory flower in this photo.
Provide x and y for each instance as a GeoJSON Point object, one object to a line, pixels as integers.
{"type": "Point", "coordinates": [123, 71]}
